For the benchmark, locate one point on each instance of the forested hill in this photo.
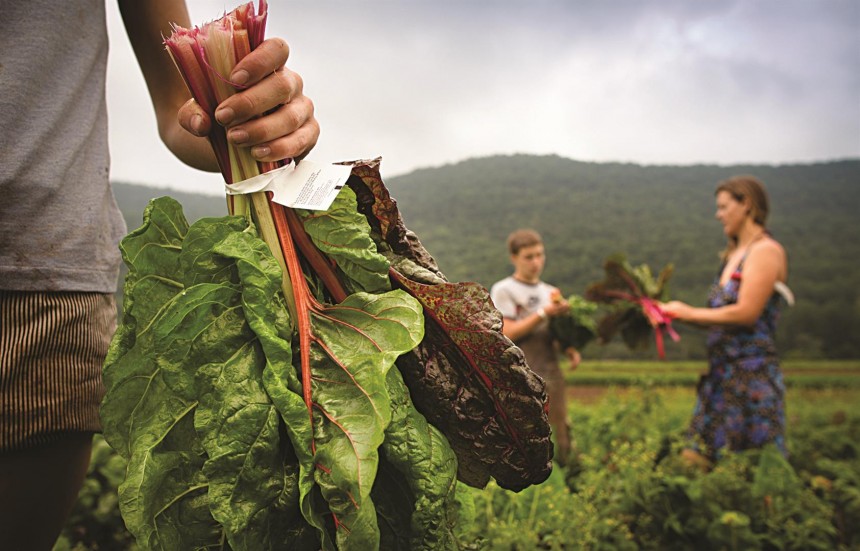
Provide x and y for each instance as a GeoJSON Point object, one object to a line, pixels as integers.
{"type": "Point", "coordinates": [656, 214]}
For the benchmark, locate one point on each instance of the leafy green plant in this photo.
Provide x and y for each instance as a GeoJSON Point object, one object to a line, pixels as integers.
{"type": "Point", "coordinates": [204, 402]}
{"type": "Point", "coordinates": [633, 294]}
{"type": "Point", "coordinates": [633, 491]}
{"type": "Point", "coordinates": [205, 322]}
{"type": "Point", "coordinates": [251, 386]}
{"type": "Point", "coordinates": [578, 327]}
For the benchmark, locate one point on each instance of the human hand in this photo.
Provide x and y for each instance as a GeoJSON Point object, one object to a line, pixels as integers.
{"type": "Point", "coordinates": [270, 113]}
{"type": "Point", "coordinates": [558, 306]}
{"type": "Point", "coordinates": [554, 309]}
{"type": "Point", "coordinates": [676, 309]}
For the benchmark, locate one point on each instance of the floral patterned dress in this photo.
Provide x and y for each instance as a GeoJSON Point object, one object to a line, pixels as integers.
{"type": "Point", "coordinates": [741, 399]}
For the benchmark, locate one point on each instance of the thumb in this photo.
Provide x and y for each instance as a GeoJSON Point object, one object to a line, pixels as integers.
{"type": "Point", "coordinates": [194, 119]}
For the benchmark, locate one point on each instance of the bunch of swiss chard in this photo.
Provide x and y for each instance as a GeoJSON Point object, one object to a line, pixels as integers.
{"type": "Point", "coordinates": [293, 379]}
{"type": "Point", "coordinates": [577, 327]}
{"type": "Point", "coordinates": [633, 295]}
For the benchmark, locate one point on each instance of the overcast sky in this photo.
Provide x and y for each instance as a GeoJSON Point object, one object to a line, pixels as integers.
{"type": "Point", "coordinates": [424, 83]}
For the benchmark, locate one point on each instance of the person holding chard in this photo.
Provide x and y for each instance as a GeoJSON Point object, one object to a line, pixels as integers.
{"type": "Point", "coordinates": [59, 256]}
{"type": "Point", "coordinates": [527, 303]}
{"type": "Point", "coordinates": [741, 398]}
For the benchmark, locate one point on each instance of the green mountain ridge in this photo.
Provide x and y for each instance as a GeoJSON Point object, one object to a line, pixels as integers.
{"type": "Point", "coordinates": [657, 214]}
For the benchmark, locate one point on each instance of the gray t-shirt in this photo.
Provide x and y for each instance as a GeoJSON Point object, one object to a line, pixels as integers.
{"type": "Point", "coordinates": [517, 300]}
{"type": "Point", "coordinates": [59, 222]}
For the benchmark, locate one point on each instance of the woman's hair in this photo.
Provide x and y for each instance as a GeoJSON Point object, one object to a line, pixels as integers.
{"type": "Point", "coordinates": [752, 190]}
{"type": "Point", "coordinates": [520, 239]}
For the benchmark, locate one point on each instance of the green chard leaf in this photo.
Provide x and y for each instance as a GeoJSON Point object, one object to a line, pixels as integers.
{"type": "Point", "coordinates": [343, 234]}
{"type": "Point", "coordinates": [253, 476]}
{"type": "Point", "coordinates": [355, 344]}
{"type": "Point", "coordinates": [226, 448]}
{"type": "Point", "coordinates": [202, 434]}
{"type": "Point", "coordinates": [148, 410]}
{"type": "Point", "coordinates": [150, 251]}
{"type": "Point", "coordinates": [577, 328]}
{"type": "Point", "coordinates": [421, 472]}
{"type": "Point", "coordinates": [405, 493]}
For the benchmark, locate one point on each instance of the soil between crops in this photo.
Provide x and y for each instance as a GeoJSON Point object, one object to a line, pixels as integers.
{"type": "Point", "coordinates": [586, 394]}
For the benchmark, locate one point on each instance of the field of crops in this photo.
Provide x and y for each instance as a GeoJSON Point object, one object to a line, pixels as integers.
{"type": "Point", "coordinates": [629, 490]}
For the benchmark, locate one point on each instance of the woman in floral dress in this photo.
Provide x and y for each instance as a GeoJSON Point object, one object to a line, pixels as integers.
{"type": "Point", "coordinates": [741, 399]}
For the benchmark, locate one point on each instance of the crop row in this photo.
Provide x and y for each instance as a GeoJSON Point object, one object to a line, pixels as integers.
{"type": "Point", "coordinates": [797, 373]}
{"type": "Point", "coordinates": [628, 488]}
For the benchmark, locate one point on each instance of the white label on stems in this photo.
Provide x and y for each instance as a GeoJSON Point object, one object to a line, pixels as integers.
{"type": "Point", "coordinates": [308, 185]}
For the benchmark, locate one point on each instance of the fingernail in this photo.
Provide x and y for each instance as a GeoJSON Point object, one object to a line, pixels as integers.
{"type": "Point", "coordinates": [238, 136]}
{"type": "Point", "coordinates": [240, 77]}
{"type": "Point", "coordinates": [197, 124]}
{"type": "Point", "coordinates": [261, 151]}
{"type": "Point", "coordinates": [224, 115]}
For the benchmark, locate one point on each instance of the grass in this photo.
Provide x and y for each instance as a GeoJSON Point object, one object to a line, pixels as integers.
{"type": "Point", "coordinates": [820, 374]}
{"type": "Point", "coordinates": [677, 402]}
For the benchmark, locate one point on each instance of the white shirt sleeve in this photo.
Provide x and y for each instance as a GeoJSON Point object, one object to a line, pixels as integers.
{"type": "Point", "coordinates": [504, 302]}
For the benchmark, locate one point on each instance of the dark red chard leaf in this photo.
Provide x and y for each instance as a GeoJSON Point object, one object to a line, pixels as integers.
{"type": "Point", "coordinates": [465, 377]}
{"type": "Point", "coordinates": [381, 211]}
{"type": "Point", "coordinates": [473, 384]}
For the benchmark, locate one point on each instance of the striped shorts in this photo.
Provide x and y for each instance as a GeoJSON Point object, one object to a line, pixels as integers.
{"type": "Point", "coordinates": [52, 347]}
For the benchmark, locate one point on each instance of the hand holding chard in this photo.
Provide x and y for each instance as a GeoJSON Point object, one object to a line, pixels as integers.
{"type": "Point", "coordinates": [270, 419]}
{"type": "Point", "coordinates": [249, 92]}
{"type": "Point", "coordinates": [206, 57]}
{"type": "Point", "coordinates": [635, 296]}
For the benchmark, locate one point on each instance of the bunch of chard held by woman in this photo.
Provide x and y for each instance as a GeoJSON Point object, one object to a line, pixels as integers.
{"type": "Point", "coordinates": [294, 379]}
{"type": "Point", "coordinates": [634, 297]}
